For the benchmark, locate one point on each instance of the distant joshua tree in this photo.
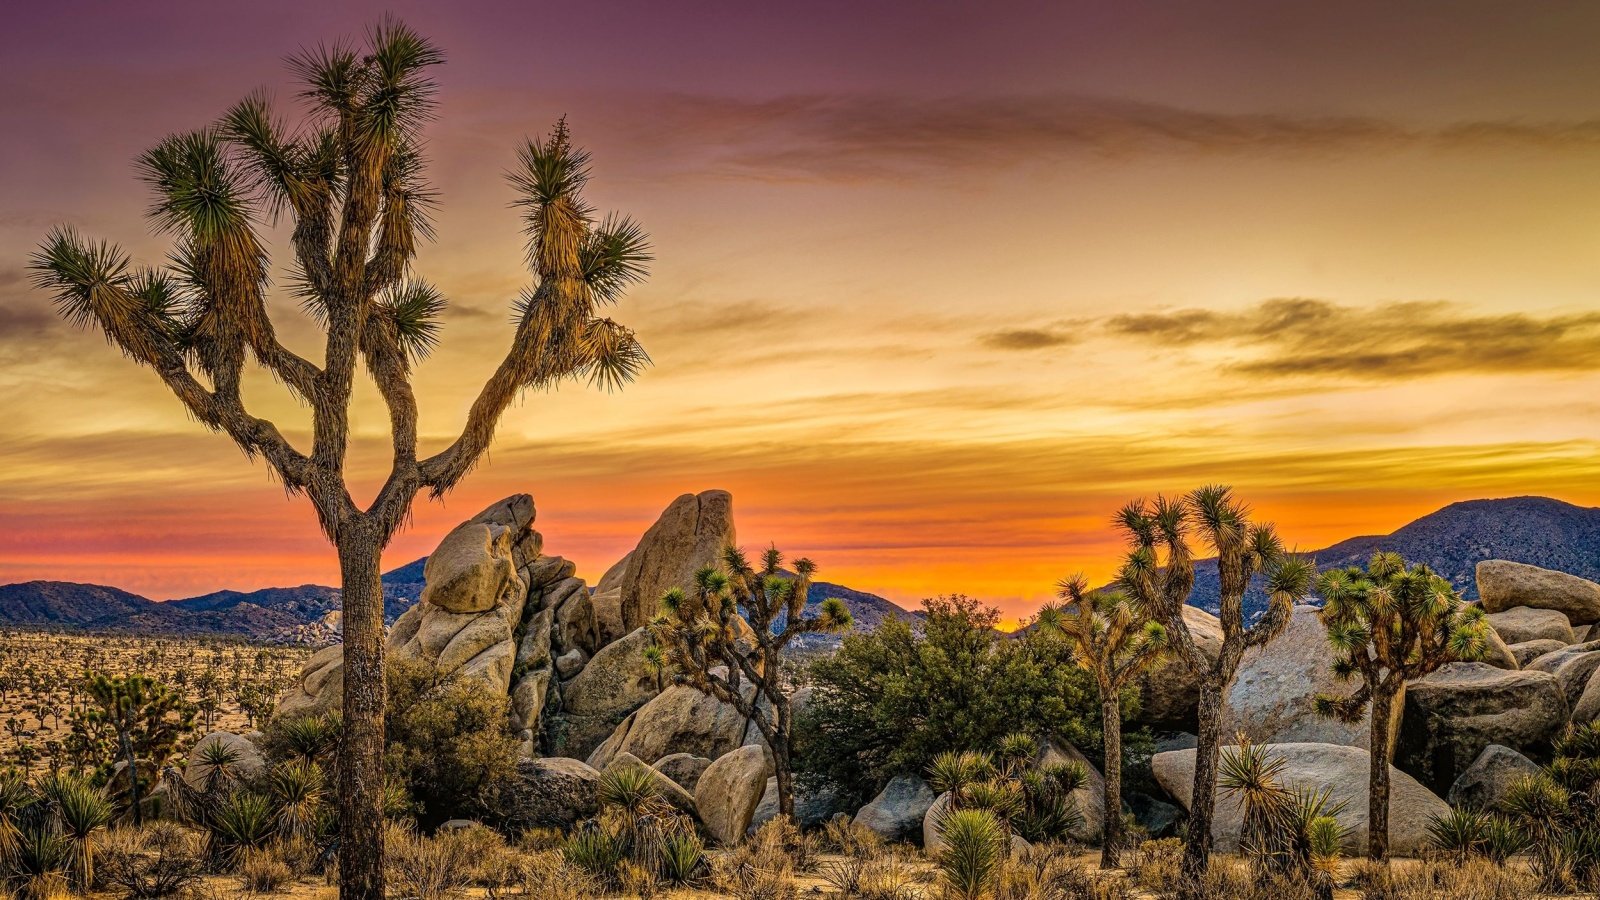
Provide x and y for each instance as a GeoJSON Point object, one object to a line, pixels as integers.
{"type": "Point", "coordinates": [1388, 625]}
{"type": "Point", "coordinates": [146, 719]}
{"type": "Point", "coordinates": [1159, 575]}
{"type": "Point", "coordinates": [1113, 639]}
{"type": "Point", "coordinates": [352, 179]}
{"type": "Point", "coordinates": [733, 627]}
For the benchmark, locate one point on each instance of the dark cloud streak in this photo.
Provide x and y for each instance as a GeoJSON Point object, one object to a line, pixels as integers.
{"type": "Point", "coordinates": [1390, 341]}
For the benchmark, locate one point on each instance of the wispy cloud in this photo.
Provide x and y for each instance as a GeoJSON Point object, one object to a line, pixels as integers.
{"type": "Point", "coordinates": [1301, 336]}
{"type": "Point", "coordinates": [838, 137]}
{"type": "Point", "coordinates": [1026, 339]}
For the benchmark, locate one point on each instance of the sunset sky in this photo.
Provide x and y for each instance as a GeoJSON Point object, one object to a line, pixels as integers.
{"type": "Point", "coordinates": [938, 285]}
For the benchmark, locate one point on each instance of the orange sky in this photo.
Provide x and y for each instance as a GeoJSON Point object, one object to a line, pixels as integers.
{"type": "Point", "coordinates": [935, 291]}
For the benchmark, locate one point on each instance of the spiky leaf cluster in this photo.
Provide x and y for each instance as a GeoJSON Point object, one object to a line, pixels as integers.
{"type": "Point", "coordinates": [1113, 636]}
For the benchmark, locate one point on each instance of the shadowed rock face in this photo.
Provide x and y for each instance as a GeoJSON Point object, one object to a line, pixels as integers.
{"type": "Point", "coordinates": [1342, 770]}
{"type": "Point", "coordinates": [1453, 714]}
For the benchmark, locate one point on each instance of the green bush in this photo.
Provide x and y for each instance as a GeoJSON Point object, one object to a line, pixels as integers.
{"type": "Point", "coordinates": [892, 699]}
{"type": "Point", "coordinates": [447, 742]}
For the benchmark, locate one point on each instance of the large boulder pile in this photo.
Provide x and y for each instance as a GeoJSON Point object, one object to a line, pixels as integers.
{"type": "Point", "coordinates": [570, 660]}
{"type": "Point", "coordinates": [1504, 585]}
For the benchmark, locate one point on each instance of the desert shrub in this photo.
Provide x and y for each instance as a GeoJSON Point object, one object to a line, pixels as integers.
{"type": "Point", "coordinates": [537, 840]}
{"type": "Point", "coordinates": [298, 793]}
{"type": "Point", "coordinates": [426, 868]}
{"type": "Point", "coordinates": [1157, 865]}
{"type": "Point", "coordinates": [844, 835]}
{"type": "Point", "coordinates": [892, 699]}
{"type": "Point", "coordinates": [548, 876]}
{"type": "Point", "coordinates": [262, 870]}
{"type": "Point", "coordinates": [888, 876]}
{"type": "Point", "coordinates": [447, 743]}
{"type": "Point", "coordinates": [779, 838]}
{"type": "Point", "coordinates": [738, 875]}
{"type": "Point", "coordinates": [975, 847]}
{"type": "Point", "coordinates": [1038, 805]}
{"type": "Point", "coordinates": [1052, 874]}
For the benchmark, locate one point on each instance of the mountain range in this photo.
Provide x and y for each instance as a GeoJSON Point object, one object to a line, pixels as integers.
{"type": "Point", "coordinates": [1535, 530]}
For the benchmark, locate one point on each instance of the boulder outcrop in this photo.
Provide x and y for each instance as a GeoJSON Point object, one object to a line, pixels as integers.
{"type": "Point", "coordinates": [1486, 781]}
{"type": "Point", "coordinates": [680, 720]}
{"type": "Point", "coordinates": [1521, 624]}
{"type": "Point", "coordinates": [1454, 713]}
{"type": "Point", "coordinates": [1342, 770]}
{"type": "Point", "coordinates": [1504, 585]}
{"type": "Point", "coordinates": [729, 792]}
{"type": "Point", "coordinates": [1272, 694]}
{"type": "Point", "coordinates": [897, 812]}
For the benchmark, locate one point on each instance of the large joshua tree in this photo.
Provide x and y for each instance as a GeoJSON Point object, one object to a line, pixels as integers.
{"type": "Point", "coordinates": [1388, 625]}
{"type": "Point", "coordinates": [1113, 639]}
{"type": "Point", "coordinates": [352, 179]}
{"type": "Point", "coordinates": [732, 626]}
{"type": "Point", "coordinates": [1159, 574]}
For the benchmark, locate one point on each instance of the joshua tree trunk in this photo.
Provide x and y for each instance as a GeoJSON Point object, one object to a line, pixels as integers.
{"type": "Point", "coordinates": [1378, 778]}
{"type": "Point", "coordinates": [361, 762]}
{"type": "Point", "coordinates": [1111, 727]}
{"type": "Point", "coordinates": [1202, 803]}
{"type": "Point", "coordinates": [133, 777]}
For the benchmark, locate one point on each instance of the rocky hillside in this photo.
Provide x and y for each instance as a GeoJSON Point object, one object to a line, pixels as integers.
{"type": "Point", "coordinates": [1538, 531]}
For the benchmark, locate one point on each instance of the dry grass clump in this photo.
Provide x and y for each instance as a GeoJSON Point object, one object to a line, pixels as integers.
{"type": "Point", "coordinates": [426, 868]}
{"type": "Point", "coordinates": [1051, 873]}
{"type": "Point", "coordinates": [263, 870]}
{"type": "Point", "coordinates": [1460, 879]}
{"type": "Point", "coordinates": [1157, 865]}
{"type": "Point", "coordinates": [158, 862]}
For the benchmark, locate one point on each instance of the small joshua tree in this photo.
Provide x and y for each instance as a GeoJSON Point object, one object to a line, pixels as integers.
{"type": "Point", "coordinates": [147, 719]}
{"type": "Point", "coordinates": [1159, 575]}
{"type": "Point", "coordinates": [1388, 625]}
{"type": "Point", "coordinates": [352, 179]}
{"type": "Point", "coordinates": [1114, 640]}
{"type": "Point", "coordinates": [733, 627]}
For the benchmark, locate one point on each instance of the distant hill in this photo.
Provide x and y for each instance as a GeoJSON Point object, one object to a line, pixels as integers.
{"type": "Point", "coordinates": [1535, 530]}
{"type": "Point", "coordinates": [1538, 531]}
{"type": "Point", "coordinates": [305, 614]}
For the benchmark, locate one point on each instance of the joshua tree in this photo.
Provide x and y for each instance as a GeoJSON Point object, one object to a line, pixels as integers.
{"type": "Point", "coordinates": [1113, 639]}
{"type": "Point", "coordinates": [710, 646]}
{"type": "Point", "coordinates": [147, 718]}
{"type": "Point", "coordinates": [1159, 575]}
{"type": "Point", "coordinates": [352, 178]}
{"type": "Point", "coordinates": [1388, 625]}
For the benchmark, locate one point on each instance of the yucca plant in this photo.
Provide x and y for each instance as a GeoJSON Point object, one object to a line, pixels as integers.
{"type": "Point", "coordinates": [16, 797]}
{"type": "Point", "coordinates": [631, 789]}
{"type": "Point", "coordinates": [310, 739]}
{"type": "Point", "coordinates": [953, 771]}
{"type": "Point", "coordinates": [975, 846]}
{"type": "Point", "coordinates": [1460, 833]}
{"type": "Point", "coordinates": [1390, 624]}
{"type": "Point", "coordinates": [597, 851]}
{"type": "Point", "coordinates": [222, 766]}
{"type": "Point", "coordinates": [683, 857]}
{"type": "Point", "coordinates": [1251, 774]}
{"type": "Point", "coordinates": [83, 810]}
{"type": "Point", "coordinates": [242, 820]}
{"type": "Point", "coordinates": [297, 789]}
{"type": "Point", "coordinates": [1015, 753]}
{"type": "Point", "coordinates": [1050, 811]}
{"type": "Point", "coordinates": [351, 179]}
{"type": "Point", "coordinates": [42, 865]}
{"type": "Point", "coordinates": [1114, 639]}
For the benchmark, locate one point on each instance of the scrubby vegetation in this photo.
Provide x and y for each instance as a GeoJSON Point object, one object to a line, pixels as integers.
{"type": "Point", "coordinates": [893, 699]}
